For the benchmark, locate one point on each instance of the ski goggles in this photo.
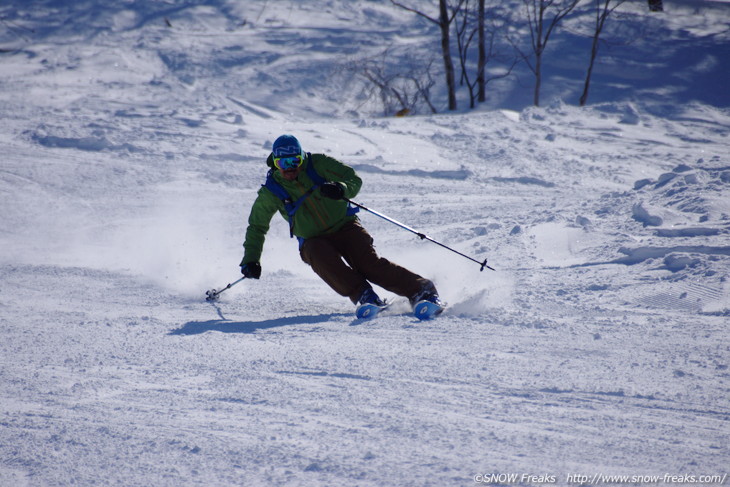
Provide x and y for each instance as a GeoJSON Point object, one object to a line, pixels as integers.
{"type": "Point", "coordinates": [289, 162]}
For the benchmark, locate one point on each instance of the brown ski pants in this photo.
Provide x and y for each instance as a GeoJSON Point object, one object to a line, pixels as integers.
{"type": "Point", "coordinates": [347, 261]}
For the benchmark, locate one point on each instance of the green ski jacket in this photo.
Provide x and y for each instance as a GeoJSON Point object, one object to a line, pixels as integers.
{"type": "Point", "coordinates": [318, 215]}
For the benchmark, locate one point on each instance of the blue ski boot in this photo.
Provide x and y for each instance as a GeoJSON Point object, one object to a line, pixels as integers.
{"type": "Point", "coordinates": [369, 305]}
{"type": "Point", "coordinates": [426, 304]}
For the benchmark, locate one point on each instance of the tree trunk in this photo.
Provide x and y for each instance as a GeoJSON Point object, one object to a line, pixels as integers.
{"type": "Point", "coordinates": [539, 49]}
{"type": "Point", "coordinates": [538, 79]}
{"type": "Point", "coordinates": [445, 26]}
{"type": "Point", "coordinates": [602, 14]}
{"type": "Point", "coordinates": [482, 96]}
{"type": "Point", "coordinates": [586, 86]}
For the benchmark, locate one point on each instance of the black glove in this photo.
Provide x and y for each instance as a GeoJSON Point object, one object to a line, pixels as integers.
{"type": "Point", "coordinates": [252, 270]}
{"type": "Point", "coordinates": [332, 190]}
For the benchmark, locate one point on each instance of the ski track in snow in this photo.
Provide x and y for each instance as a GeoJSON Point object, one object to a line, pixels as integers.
{"type": "Point", "coordinates": [131, 154]}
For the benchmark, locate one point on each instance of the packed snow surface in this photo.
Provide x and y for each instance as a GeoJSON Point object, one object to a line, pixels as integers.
{"type": "Point", "coordinates": [133, 140]}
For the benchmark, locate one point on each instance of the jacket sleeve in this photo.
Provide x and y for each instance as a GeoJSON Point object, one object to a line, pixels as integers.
{"type": "Point", "coordinates": [333, 170]}
{"type": "Point", "coordinates": [259, 220]}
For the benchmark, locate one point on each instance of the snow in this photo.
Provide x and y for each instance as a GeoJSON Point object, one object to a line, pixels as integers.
{"type": "Point", "coordinates": [132, 151]}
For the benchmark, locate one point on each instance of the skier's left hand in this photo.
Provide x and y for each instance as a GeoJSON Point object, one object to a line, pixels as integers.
{"type": "Point", "coordinates": [252, 270]}
{"type": "Point", "coordinates": [332, 190]}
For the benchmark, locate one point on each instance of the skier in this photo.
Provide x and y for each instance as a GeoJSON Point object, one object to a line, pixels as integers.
{"type": "Point", "coordinates": [309, 190]}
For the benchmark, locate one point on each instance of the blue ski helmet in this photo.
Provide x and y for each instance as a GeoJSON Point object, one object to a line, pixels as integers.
{"type": "Point", "coordinates": [286, 145]}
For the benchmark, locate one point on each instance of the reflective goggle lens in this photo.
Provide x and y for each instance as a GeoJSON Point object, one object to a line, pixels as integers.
{"type": "Point", "coordinates": [286, 163]}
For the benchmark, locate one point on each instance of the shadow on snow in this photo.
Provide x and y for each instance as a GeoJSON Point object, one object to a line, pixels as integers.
{"type": "Point", "coordinates": [227, 326]}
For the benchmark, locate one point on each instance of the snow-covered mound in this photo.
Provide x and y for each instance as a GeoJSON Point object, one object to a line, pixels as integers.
{"type": "Point", "coordinates": [133, 142]}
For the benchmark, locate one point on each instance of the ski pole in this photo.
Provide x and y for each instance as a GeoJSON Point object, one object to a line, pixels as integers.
{"type": "Point", "coordinates": [423, 236]}
{"type": "Point", "coordinates": [212, 294]}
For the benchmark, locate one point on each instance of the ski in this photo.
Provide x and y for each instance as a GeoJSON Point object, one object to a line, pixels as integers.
{"type": "Point", "coordinates": [426, 310]}
{"type": "Point", "coordinates": [423, 310]}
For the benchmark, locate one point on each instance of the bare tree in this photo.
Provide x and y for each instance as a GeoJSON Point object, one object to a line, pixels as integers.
{"type": "Point", "coordinates": [656, 6]}
{"type": "Point", "coordinates": [542, 16]}
{"type": "Point", "coordinates": [465, 32]}
{"type": "Point", "coordinates": [17, 30]}
{"type": "Point", "coordinates": [604, 8]}
{"type": "Point", "coordinates": [401, 89]}
{"type": "Point", "coordinates": [444, 22]}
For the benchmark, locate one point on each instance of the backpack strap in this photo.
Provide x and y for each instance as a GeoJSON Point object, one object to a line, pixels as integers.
{"type": "Point", "coordinates": [290, 205]}
{"type": "Point", "coordinates": [312, 173]}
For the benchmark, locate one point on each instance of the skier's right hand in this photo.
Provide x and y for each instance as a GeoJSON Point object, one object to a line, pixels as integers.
{"type": "Point", "coordinates": [252, 270]}
{"type": "Point", "coordinates": [332, 190]}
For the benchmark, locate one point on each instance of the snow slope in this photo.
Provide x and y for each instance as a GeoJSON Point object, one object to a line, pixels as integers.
{"type": "Point", "coordinates": [132, 151]}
